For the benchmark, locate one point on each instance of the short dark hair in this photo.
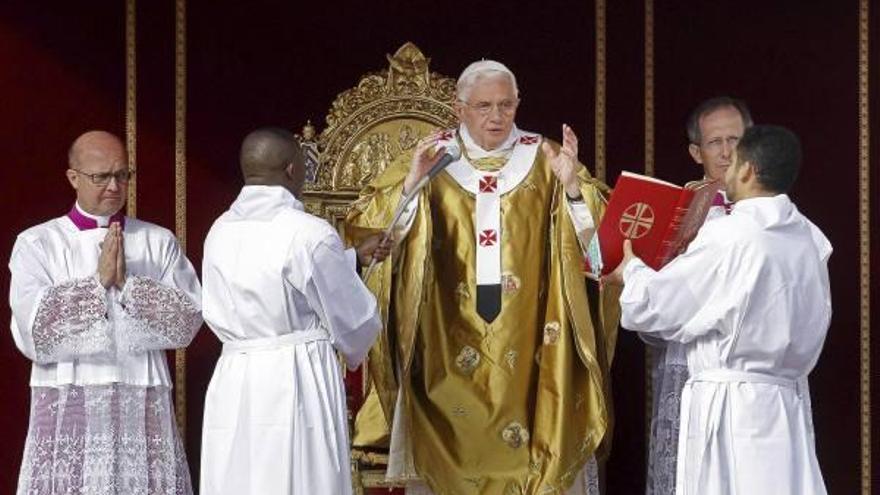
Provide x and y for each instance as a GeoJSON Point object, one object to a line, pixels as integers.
{"type": "Point", "coordinates": [775, 152]}
{"type": "Point", "coordinates": [709, 106]}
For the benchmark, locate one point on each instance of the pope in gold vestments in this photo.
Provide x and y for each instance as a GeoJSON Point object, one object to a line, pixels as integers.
{"type": "Point", "coordinates": [516, 405]}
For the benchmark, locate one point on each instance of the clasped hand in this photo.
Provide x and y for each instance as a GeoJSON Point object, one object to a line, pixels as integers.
{"type": "Point", "coordinates": [111, 262]}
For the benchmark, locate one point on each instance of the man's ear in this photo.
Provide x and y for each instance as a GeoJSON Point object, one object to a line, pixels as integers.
{"type": "Point", "coordinates": [73, 178]}
{"type": "Point", "coordinates": [746, 172]}
{"type": "Point", "coordinates": [694, 150]}
{"type": "Point", "coordinates": [458, 107]}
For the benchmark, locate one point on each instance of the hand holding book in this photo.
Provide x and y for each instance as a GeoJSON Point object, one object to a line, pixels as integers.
{"type": "Point", "coordinates": [659, 218]}
{"type": "Point", "coordinates": [616, 276]}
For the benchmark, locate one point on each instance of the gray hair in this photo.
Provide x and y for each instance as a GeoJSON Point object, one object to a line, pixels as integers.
{"type": "Point", "coordinates": [695, 135]}
{"type": "Point", "coordinates": [480, 70]}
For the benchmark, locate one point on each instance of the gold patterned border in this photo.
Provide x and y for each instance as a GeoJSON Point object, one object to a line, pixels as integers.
{"type": "Point", "coordinates": [865, 243]}
{"type": "Point", "coordinates": [649, 170]}
{"type": "Point", "coordinates": [131, 101]}
{"type": "Point", "coordinates": [180, 187]}
{"type": "Point", "coordinates": [599, 124]}
{"type": "Point", "coordinates": [649, 87]}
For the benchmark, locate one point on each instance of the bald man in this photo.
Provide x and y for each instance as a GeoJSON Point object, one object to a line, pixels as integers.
{"type": "Point", "coordinates": [283, 296]}
{"type": "Point", "coordinates": [96, 299]}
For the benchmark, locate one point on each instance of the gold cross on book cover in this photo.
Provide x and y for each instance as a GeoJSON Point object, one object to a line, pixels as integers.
{"type": "Point", "coordinates": [660, 218]}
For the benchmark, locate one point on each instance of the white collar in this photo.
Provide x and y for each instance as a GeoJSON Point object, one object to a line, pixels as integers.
{"type": "Point", "coordinates": [523, 150]}
{"type": "Point", "coordinates": [264, 201]}
{"type": "Point", "coordinates": [102, 221]}
{"type": "Point", "coordinates": [475, 151]}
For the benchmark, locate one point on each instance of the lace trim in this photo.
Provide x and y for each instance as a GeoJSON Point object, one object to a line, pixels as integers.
{"type": "Point", "coordinates": [103, 440]}
{"type": "Point", "coordinates": [71, 322]}
{"type": "Point", "coordinates": [669, 380]}
{"type": "Point", "coordinates": [156, 317]}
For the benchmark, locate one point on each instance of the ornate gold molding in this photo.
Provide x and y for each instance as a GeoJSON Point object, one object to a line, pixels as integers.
{"type": "Point", "coordinates": [180, 187]}
{"type": "Point", "coordinates": [649, 170]}
{"type": "Point", "coordinates": [649, 87]}
{"type": "Point", "coordinates": [131, 101]}
{"type": "Point", "coordinates": [865, 243]}
{"type": "Point", "coordinates": [358, 133]}
{"type": "Point", "coordinates": [599, 124]}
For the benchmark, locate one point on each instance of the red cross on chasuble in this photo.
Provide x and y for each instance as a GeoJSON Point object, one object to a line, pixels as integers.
{"type": "Point", "coordinates": [487, 187]}
{"type": "Point", "coordinates": [488, 238]}
{"type": "Point", "coordinates": [488, 217]}
{"type": "Point", "coordinates": [488, 184]}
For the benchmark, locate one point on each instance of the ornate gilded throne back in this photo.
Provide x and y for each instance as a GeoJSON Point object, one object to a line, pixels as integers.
{"type": "Point", "coordinates": [369, 125]}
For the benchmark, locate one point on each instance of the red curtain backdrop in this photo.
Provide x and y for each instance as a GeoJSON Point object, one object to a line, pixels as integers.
{"type": "Point", "coordinates": [272, 62]}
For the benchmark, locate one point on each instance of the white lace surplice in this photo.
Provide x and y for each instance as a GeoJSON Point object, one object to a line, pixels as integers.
{"type": "Point", "coordinates": [668, 376]}
{"type": "Point", "coordinates": [101, 420]}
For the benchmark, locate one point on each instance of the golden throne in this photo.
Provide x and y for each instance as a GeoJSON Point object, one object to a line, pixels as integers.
{"type": "Point", "coordinates": [368, 126]}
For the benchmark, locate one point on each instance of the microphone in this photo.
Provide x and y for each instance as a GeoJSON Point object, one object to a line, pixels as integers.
{"type": "Point", "coordinates": [452, 154]}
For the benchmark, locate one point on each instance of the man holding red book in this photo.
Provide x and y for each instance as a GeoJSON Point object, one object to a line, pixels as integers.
{"type": "Point", "coordinates": [714, 128]}
{"type": "Point", "coordinates": [750, 301]}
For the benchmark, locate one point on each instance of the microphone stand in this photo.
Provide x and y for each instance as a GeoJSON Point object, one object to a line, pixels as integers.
{"type": "Point", "coordinates": [397, 214]}
{"type": "Point", "coordinates": [452, 154]}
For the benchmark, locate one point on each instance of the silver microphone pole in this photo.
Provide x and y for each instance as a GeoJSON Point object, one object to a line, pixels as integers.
{"type": "Point", "coordinates": [453, 153]}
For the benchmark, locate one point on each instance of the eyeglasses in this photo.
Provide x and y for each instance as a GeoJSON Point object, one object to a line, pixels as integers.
{"type": "Point", "coordinates": [718, 143]}
{"type": "Point", "coordinates": [102, 179]}
{"type": "Point", "coordinates": [506, 107]}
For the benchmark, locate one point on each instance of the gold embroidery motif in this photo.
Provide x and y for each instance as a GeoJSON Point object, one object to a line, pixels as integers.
{"type": "Point", "coordinates": [489, 163]}
{"type": "Point", "coordinates": [535, 465]}
{"type": "Point", "coordinates": [511, 356]}
{"type": "Point", "coordinates": [462, 291]}
{"type": "Point", "coordinates": [551, 333]}
{"type": "Point", "coordinates": [514, 488]}
{"type": "Point", "coordinates": [459, 411]}
{"type": "Point", "coordinates": [515, 435]}
{"type": "Point", "coordinates": [476, 481]}
{"type": "Point", "coordinates": [467, 360]}
{"type": "Point", "coordinates": [510, 283]}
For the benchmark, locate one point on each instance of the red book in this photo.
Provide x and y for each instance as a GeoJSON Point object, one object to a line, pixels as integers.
{"type": "Point", "coordinates": [660, 219]}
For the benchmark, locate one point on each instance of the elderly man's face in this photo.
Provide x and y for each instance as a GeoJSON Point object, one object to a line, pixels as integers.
{"type": "Point", "coordinates": [721, 131]}
{"type": "Point", "coordinates": [489, 111]}
{"type": "Point", "coordinates": [95, 175]}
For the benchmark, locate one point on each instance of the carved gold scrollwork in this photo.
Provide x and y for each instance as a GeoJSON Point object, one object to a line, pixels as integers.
{"type": "Point", "coordinates": [369, 125]}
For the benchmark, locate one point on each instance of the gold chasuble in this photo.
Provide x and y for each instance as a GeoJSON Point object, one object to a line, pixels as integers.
{"type": "Point", "coordinates": [513, 406]}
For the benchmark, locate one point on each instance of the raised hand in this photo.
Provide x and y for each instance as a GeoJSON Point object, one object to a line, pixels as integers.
{"type": "Point", "coordinates": [120, 255]}
{"type": "Point", "coordinates": [107, 260]}
{"type": "Point", "coordinates": [423, 159]}
{"type": "Point", "coordinates": [564, 163]}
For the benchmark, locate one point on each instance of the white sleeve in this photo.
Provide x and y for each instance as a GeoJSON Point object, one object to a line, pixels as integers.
{"type": "Point", "coordinates": [688, 298]}
{"type": "Point", "coordinates": [584, 225]}
{"type": "Point", "coordinates": [404, 223]}
{"type": "Point", "coordinates": [346, 307]}
{"type": "Point", "coordinates": [51, 321]}
{"type": "Point", "coordinates": [161, 314]}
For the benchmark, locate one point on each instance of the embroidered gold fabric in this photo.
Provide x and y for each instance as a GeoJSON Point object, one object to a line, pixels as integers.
{"type": "Point", "coordinates": [484, 416]}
